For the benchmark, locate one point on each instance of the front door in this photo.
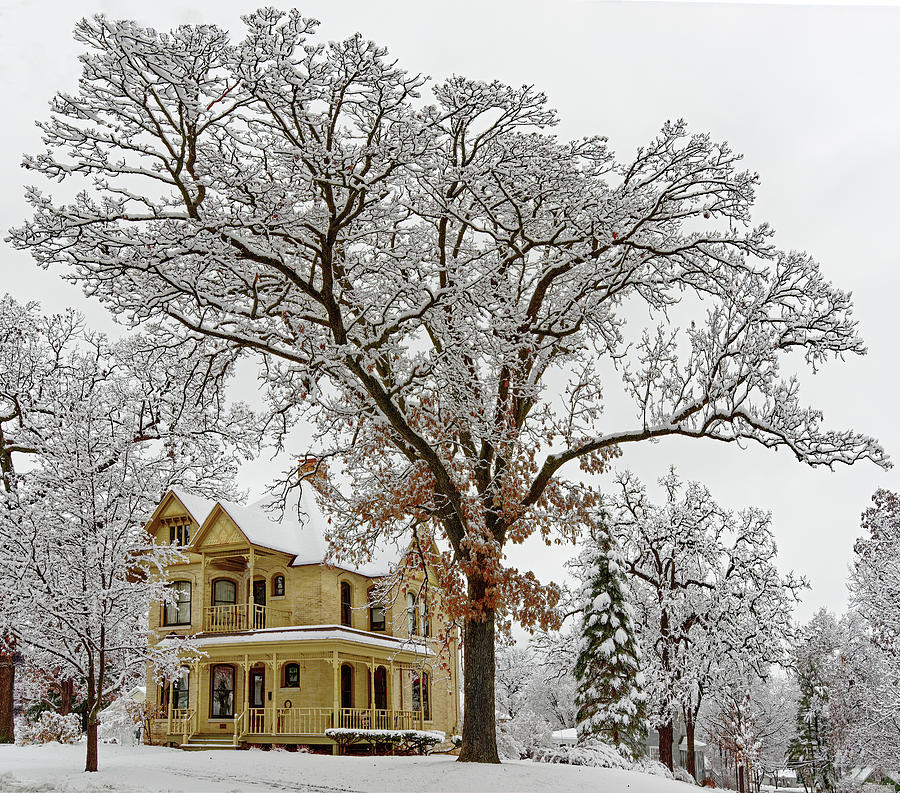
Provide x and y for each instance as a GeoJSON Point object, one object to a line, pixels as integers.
{"type": "Point", "coordinates": [257, 700]}
{"type": "Point", "coordinates": [259, 598]}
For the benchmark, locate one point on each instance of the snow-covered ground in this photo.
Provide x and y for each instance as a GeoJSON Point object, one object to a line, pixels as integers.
{"type": "Point", "coordinates": [53, 767]}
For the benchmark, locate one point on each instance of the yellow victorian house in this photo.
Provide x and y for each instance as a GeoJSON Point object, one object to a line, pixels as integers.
{"type": "Point", "coordinates": [291, 645]}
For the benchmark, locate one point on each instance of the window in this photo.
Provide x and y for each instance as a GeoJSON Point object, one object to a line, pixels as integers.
{"type": "Point", "coordinates": [180, 693]}
{"type": "Point", "coordinates": [179, 611]}
{"type": "Point", "coordinates": [221, 700]}
{"type": "Point", "coordinates": [346, 686]}
{"type": "Point", "coordinates": [292, 675]}
{"type": "Point", "coordinates": [380, 688]}
{"type": "Point", "coordinates": [278, 586]}
{"type": "Point", "coordinates": [376, 612]}
{"type": "Point", "coordinates": [426, 617]}
{"type": "Point", "coordinates": [412, 614]}
{"type": "Point", "coordinates": [421, 695]}
{"type": "Point", "coordinates": [180, 534]}
{"type": "Point", "coordinates": [346, 604]}
{"type": "Point", "coordinates": [224, 592]}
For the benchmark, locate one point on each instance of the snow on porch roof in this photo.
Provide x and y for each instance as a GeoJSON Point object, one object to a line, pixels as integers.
{"type": "Point", "coordinates": [317, 633]}
{"type": "Point", "coordinates": [300, 530]}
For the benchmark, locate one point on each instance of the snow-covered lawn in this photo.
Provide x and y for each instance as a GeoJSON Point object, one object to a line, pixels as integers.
{"type": "Point", "coordinates": [53, 767]}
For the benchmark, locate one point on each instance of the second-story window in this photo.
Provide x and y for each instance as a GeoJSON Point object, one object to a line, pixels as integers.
{"type": "Point", "coordinates": [178, 612]}
{"type": "Point", "coordinates": [412, 614]}
{"type": "Point", "coordinates": [278, 586]}
{"type": "Point", "coordinates": [376, 612]}
{"type": "Point", "coordinates": [224, 592]}
{"type": "Point", "coordinates": [346, 604]}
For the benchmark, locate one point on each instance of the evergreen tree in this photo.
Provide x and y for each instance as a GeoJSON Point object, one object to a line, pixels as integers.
{"type": "Point", "coordinates": [808, 752]}
{"type": "Point", "coordinates": [609, 682]}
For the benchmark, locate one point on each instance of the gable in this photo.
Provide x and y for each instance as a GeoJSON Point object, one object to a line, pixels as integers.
{"type": "Point", "coordinates": [171, 511]}
{"type": "Point", "coordinates": [219, 530]}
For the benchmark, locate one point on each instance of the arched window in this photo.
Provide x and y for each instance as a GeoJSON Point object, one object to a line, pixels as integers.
{"type": "Point", "coordinates": [224, 592]}
{"type": "Point", "coordinates": [221, 695]}
{"type": "Point", "coordinates": [178, 612]}
{"type": "Point", "coordinates": [292, 675]}
{"type": "Point", "coordinates": [421, 695]}
{"type": "Point", "coordinates": [379, 683]}
{"type": "Point", "coordinates": [346, 605]}
{"type": "Point", "coordinates": [278, 586]}
{"type": "Point", "coordinates": [412, 614]}
{"type": "Point", "coordinates": [426, 617]}
{"type": "Point", "coordinates": [376, 612]}
{"type": "Point", "coordinates": [346, 686]}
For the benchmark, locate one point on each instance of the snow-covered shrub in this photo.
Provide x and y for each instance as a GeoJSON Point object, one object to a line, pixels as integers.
{"type": "Point", "coordinates": [418, 741]}
{"type": "Point", "coordinates": [598, 755]}
{"type": "Point", "coordinates": [508, 748]}
{"type": "Point", "coordinates": [456, 740]}
{"type": "Point", "coordinates": [49, 727]}
{"type": "Point", "coordinates": [683, 775]}
{"type": "Point", "coordinates": [531, 730]}
{"type": "Point", "coordinates": [647, 766]}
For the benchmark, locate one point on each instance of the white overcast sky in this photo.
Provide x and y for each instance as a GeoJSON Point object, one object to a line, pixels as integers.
{"type": "Point", "coordinates": [809, 93]}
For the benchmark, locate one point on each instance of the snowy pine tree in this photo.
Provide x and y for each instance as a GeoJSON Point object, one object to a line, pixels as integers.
{"type": "Point", "coordinates": [609, 696]}
{"type": "Point", "coordinates": [809, 753]}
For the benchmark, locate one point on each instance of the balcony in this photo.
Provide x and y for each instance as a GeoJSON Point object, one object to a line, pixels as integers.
{"type": "Point", "coordinates": [243, 617]}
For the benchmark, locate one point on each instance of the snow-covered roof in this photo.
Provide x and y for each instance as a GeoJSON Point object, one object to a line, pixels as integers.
{"type": "Point", "coordinates": [198, 507]}
{"type": "Point", "coordinates": [684, 744]}
{"type": "Point", "coordinates": [317, 633]}
{"type": "Point", "coordinates": [300, 530]}
{"type": "Point", "coordinates": [566, 737]}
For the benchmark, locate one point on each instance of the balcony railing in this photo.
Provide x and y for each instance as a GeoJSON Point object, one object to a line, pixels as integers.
{"type": "Point", "coordinates": [243, 617]}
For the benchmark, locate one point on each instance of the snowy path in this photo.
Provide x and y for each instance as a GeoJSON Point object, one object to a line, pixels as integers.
{"type": "Point", "coordinates": [52, 768]}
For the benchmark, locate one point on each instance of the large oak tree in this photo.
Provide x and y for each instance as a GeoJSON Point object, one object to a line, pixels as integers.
{"type": "Point", "coordinates": [437, 281]}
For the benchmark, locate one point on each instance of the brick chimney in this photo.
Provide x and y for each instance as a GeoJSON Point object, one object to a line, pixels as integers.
{"type": "Point", "coordinates": [310, 467]}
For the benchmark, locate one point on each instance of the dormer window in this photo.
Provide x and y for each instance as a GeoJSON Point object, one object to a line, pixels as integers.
{"type": "Point", "coordinates": [180, 534]}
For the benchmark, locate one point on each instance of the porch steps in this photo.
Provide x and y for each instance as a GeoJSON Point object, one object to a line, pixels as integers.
{"type": "Point", "coordinates": [206, 743]}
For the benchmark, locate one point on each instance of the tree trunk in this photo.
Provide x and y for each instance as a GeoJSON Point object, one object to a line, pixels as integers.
{"type": "Point", "coordinates": [691, 753]}
{"type": "Point", "coordinates": [740, 771]}
{"type": "Point", "coordinates": [7, 683]}
{"type": "Point", "coordinates": [92, 711]}
{"type": "Point", "coordinates": [66, 696]}
{"type": "Point", "coordinates": [666, 737]}
{"type": "Point", "coordinates": [479, 737]}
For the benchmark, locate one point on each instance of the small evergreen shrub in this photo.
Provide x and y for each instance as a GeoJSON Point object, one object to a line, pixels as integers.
{"type": "Point", "coordinates": [50, 726]}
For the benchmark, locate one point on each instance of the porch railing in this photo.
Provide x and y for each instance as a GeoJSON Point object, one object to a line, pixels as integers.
{"type": "Point", "coordinates": [314, 721]}
{"type": "Point", "coordinates": [238, 727]}
{"type": "Point", "coordinates": [243, 617]}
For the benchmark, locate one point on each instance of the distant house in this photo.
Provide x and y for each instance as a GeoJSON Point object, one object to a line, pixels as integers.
{"type": "Point", "coordinates": [117, 720]}
{"type": "Point", "coordinates": [293, 645]}
{"type": "Point", "coordinates": [679, 744]}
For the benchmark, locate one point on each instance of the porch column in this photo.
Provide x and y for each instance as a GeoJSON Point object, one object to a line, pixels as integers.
{"type": "Point", "coordinates": [274, 692]}
{"type": "Point", "coordinates": [250, 601]}
{"type": "Point", "coordinates": [203, 592]}
{"type": "Point", "coordinates": [372, 687]}
{"type": "Point", "coordinates": [245, 705]}
{"type": "Point", "coordinates": [390, 694]}
{"type": "Point", "coordinates": [336, 699]}
{"type": "Point", "coordinates": [171, 688]}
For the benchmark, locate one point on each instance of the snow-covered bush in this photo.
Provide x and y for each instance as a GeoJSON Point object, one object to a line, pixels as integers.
{"type": "Point", "coordinates": [531, 730]}
{"type": "Point", "coordinates": [683, 775]}
{"type": "Point", "coordinates": [599, 755]}
{"type": "Point", "coordinates": [456, 740]}
{"type": "Point", "coordinates": [508, 748]}
{"type": "Point", "coordinates": [49, 727]}
{"type": "Point", "coordinates": [418, 741]}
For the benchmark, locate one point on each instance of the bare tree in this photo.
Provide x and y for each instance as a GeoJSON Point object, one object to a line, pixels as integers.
{"type": "Point", "coordinates": [438, 285]}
